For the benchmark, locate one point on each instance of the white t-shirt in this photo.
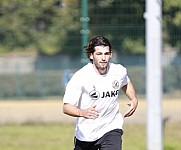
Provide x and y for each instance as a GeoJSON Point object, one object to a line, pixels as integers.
{"type": "Point", "coordinates": [86, 88]}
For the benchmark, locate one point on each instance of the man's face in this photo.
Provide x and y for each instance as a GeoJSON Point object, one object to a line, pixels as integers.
{"type": "Point", "coordinates": [101, 58]}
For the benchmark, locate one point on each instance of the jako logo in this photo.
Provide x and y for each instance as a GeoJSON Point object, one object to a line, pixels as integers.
{"type": "Point", "coordinates": [110, 94]}
{"type": "Point", "coordinates": [94, 95]}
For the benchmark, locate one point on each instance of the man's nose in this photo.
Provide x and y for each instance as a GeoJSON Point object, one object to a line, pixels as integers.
{"type": "Point", "coordinates": [103, 57]}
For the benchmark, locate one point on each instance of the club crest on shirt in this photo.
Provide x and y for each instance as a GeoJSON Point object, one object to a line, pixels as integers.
{"type": "Point", "coordinates": [94, 94]}
{"type": "Point", "coordinates": [115, 84]}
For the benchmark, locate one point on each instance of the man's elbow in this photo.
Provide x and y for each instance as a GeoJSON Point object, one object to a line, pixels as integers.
{"type": "Point", "coordinates": [64, 109]}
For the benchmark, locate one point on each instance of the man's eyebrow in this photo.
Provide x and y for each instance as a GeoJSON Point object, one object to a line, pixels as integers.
{"type": "Point", "coordinates": [103, 52]}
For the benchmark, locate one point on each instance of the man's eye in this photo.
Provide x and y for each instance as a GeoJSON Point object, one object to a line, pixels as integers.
{"type": "Point", "coordinates": [108, 53]}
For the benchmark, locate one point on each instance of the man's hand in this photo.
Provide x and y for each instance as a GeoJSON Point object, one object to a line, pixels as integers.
{"type": "Point", "coordinates": [131, 94]}
{"type": "Point", "coordinates": [132, 107]}
{"type": "Point", "coordinates": [90, 113]}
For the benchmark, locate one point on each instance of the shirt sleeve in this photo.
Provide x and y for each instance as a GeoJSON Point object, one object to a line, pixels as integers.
{"type": "Point", "coordinates": [125, 77]}
{"type": "Point", "coordinates": [73, 91]}
{"type": "Point", "coordinates": [126, 80]}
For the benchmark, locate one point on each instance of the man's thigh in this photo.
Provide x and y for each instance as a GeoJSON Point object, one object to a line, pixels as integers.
{"type": "Point", "coordinates": [81, 145]}
{"type": "Point", "coordinates": [111, 140]}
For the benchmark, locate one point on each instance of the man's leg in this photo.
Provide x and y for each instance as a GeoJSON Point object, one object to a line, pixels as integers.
{"type": "Point", "coordinates": [81, 145]}
{"type": "Point", "coordinates": [111, 140]}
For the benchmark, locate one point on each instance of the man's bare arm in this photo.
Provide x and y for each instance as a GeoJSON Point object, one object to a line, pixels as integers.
{"type": "Point", "coordinates": [131, 94]}
{"type": "Point", "coordinates": [89, 113]}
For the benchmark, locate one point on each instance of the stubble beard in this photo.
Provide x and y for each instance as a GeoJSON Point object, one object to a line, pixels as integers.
{"type": "Point", "coordinates": [102, 69]}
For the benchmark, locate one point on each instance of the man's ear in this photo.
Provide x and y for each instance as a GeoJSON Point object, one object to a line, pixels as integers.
{"type": "Point", "coordinates": [111, 54]}
{"type": "Point", "coordinates": [91, 56]}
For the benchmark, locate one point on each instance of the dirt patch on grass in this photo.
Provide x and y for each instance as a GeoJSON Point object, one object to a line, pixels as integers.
{"type": "Point", "coordinates": [50, 111]}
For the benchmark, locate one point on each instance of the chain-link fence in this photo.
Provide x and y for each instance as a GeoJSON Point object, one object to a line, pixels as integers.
{"type": "Point", "coordinates": [59, 37]}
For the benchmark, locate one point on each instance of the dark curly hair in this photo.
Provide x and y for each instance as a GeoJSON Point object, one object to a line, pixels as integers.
{"type": "Point", "coordinates": [96, 41]}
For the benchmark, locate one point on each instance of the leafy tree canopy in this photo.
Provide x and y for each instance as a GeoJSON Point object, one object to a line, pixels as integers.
{"type": "Point", "coordinates": [36, 25]}
{"type": "Point", "coordinates": [51, 27]}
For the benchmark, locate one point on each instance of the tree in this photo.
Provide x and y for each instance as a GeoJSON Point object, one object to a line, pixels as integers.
{"type": "Point", "coordinates": [52, 27]}
{"type": "Point", "coordinates": [122, 21]}
{"type": "Point", "coordinates": [172, 23]}
{"type": "Point", "coordinates": [36, 25]}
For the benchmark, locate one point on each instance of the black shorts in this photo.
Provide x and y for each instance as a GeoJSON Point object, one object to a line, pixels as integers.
{"type": "Point", "coordinates": [112, 140]}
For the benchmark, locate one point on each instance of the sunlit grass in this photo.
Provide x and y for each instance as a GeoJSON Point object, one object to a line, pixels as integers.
{"type": "Point", "coordinates": [60, 137]}
{"type": "Point", "coordinates": [37, 137]}
{"type": "Point", "coordinates": [134, 137]}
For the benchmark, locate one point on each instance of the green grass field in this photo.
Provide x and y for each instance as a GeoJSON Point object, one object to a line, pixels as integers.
{"type": "Point", "coordinates": [60, 137]}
